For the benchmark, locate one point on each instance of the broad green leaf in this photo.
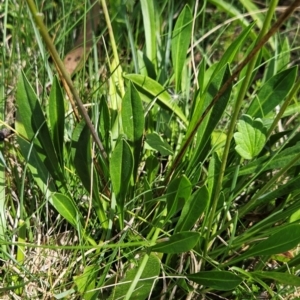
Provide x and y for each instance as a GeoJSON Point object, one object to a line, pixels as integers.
{"type": "Point", "coordinates": [181, 38]}
{"type": "Point", "coordinates": [31, 123]}
{"type": "Point", "coordinates": [67, 208]}
{"type": "Point", "coordinates": [133, 122]}
{"type": "Point", "coordinates": [121, 167]}
{"type": "Point", "coordinates": [283, 240]}
{"type": "Point", "coordinates": [82, 160]}
{"type": "Point", "coordinates": [192, 210]}
{"type": "Point", "coordinates": [218, 280]}
{"type": "Point", "coordinates": [178, 243]}
{"type": "Point", "coordinates": [156, 90]}
{"type": "Point", "coordinates": [156, 142]}
{"type": "Point", "coordinates": [86, 282]}
{"type": "Point", "coordinates": [283, 278]}
{"type": "Point", "coordinates": [178, 192]}
{"type": "Point", "coordinates": [57, 119]}
{"type": "Point", "coordinates": [145, 284]}
{"type": "Point", "coordinates": [250, 138]}
{"type": "Point", "coordinates": [272, 93]}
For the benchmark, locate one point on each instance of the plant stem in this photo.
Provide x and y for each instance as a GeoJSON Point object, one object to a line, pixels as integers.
{"type": "Point", "coordinates": [261, 40]}
{"type": "Point", "coordinates": [38, 17]}
{"type": "Point", "coordinates": [114, 47]}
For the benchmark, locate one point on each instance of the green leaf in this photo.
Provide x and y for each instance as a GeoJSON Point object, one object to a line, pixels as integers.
{"type": "Point", "coordinates": [213, 174]}
{"type": "Point", "coordinates": [178, 192]}
{"type": "Point", "coordinates": [180, 43]}
{"type": "Point", "coordinates": [132, 115]}
{"type": "Point", "coordinates": [121, 166]}
{"type": "Point", "coordinates": [283, 278]}
{"type": "Point", "coordinates": [67, 208]}
{"type": "Point", "coordinates": [213, 117]}
{"type": "Point", "coordinates": [152, 167]}
{"type": "Point", "coordinates": [251, 137]}
{"type": "Point", "coordinates": [156, 142]}
{"type": "Point", "coordinates": [133, 122]}
{"type": "Point", "coordinates": [274, 161]}
{"type": "Point", "coordinates": [158, 91]}
{"type": "Point", "coordinates": [81, 150]}
{"type": "Point", "coordinates": [178, 243]}
{"type": "Point", "coordinates": [104, 122]}
{"type": "Point", "coordinates": [57, 119]}
{"type": "Point", "coordinates": [31, 123]}
{"type": "Point", "coordinates": [192, 210]}
{"type": "Point", "coordinates": [219, 280]}
{"type": "Point", "coordinates": [283, 240]}
{"type": "Point", "coordinates": [280, 61]}
{"type": "Point", "coordinates": [86, 282]}
{"type": "Point", "coordinates": [145, 284]}
{"type": "Point", "coordinates": [145, 66]}
{"type": "Point", "coordinates": [230, 52]}
{"type": "Point", "coordinates": [150, 24]}
{"type": "Point", "coordinates": [272, 93]}
{"type": "Point", "coordinates": [37, 167]}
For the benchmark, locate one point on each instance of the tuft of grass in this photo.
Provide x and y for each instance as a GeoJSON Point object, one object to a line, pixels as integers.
{"type": "Point", "coordinates": [179, 176]}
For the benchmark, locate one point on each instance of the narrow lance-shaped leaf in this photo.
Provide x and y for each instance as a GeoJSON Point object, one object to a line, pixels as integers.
{"type": "Point", "coordinates": [219, 280]}
{"type": "Point", "coordinates": [192, 210]}
{"type": "Point", "coordinates": [283, 240]}
{"type": "Point", "coordinates": [210, 122]}
{"type": "Point", "coordinates": [31, 122]}
{"type": "Point", "coordinates": [81, 145]}
{"type": "Point", "coordinates": [157, 90]}
{"type": "Point", "coordinates": [272, 93]}
{"type": "Point", "coordinates": [57, 119]}
{"type": "Point", "coordinates": [283, 278]}
{"type": "Point", "coordinates": [67, 208]}
{"type": "Point", "coordinates": [149, 20]}
{"type": "Point", "coordinates": [133, 122]}
{"type": "Point", "coordinates": [180, 43]}
{"type": "Point", "coordinates": [156, 142]}
{"type": "Point", "coordinates": [178, 243]}
{"type": "Point", "coordinates": [145, 284]}
{"type": "Point", "coordinates": [178, 192]}
{"type": "Point", "coordinates": [121, 166]}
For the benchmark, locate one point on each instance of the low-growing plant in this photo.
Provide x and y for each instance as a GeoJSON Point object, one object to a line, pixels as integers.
{"type": "Point", "coordinates": [178, 176]}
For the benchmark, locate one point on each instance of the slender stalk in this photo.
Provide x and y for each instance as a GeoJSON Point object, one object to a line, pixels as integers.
{"type": "Point", "coordinates": [38, 18]}
{"type": "Point", "coordinates": [114, 47]}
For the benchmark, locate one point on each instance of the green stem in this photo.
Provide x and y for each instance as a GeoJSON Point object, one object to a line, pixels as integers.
{"type": "Point", "coordinates": [114, 47]}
